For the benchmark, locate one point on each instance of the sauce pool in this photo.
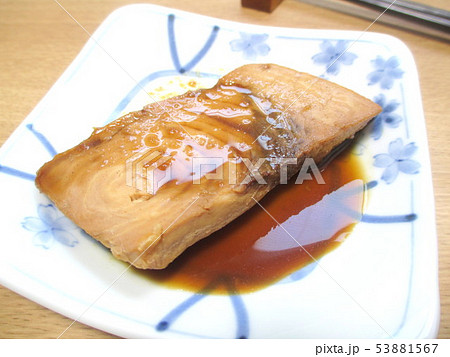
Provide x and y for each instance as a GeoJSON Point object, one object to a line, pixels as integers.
{"type": "Point", "coordinates": [253, 251]}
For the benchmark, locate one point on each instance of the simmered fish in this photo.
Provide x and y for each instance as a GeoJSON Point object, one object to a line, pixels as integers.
{"type": "Point", "coordinates": [154, 182]}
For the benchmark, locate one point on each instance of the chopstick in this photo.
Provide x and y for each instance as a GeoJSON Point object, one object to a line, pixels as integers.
{"type": "Point", "coordinates": [409, 8]}
{"type": "Point", "coordinates": [405, 14]}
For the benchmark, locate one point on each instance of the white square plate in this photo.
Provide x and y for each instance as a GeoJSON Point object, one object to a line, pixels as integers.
{"type": "Point", "coordinates": [382, 281]}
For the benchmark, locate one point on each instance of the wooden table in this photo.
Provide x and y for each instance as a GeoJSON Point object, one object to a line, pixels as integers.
{"type": "Point", "coordinates": [38, 41]}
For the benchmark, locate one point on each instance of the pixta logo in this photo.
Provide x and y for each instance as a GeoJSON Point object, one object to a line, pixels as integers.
{"type": "Point", "coordinates": [148, 170]}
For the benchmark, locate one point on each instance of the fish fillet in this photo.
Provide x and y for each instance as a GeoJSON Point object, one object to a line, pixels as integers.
{"type": "Point", "coordinates": [154, 182]}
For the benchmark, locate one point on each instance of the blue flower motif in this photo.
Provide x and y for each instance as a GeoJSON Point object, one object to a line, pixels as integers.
{"type": "Point", "coordinates": [50, 226]}
{"type": "Point", "coordinates": [332, 56]}
{"type": "Point", "coordinates": [386, 71]}
{"type": "Point", "coordinates": [387, 116]}
{"type": "Point", "coordinates": [397, 160]}
{"type": "Point", "coordinates": [252, 45]}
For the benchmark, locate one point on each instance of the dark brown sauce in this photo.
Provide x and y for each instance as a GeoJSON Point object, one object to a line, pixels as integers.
{"type": "Point", "coordinates": [253, 252]}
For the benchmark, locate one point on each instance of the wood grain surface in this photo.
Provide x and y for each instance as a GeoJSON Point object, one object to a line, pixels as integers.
{"type": "Point", "coordinates": [38, 40]}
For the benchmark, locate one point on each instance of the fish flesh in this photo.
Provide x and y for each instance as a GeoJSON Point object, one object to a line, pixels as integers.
{"type": "Point", "coordinates": [155, 181]}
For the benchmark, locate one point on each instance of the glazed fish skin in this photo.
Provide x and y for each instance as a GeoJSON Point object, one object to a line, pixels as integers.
{"type": "Point", "coordinates": [256, 111]}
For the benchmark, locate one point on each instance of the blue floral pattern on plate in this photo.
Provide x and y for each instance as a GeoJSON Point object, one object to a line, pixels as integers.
{"type": "Point", "coordinates": [251, 45]}
{"type": "Point", "coordinates": [334, 55]}
{"type": "Point", "coordinates": [386, 72]}
{"type": "Point", "coordinates": [398, 159]}
{"type": "Point", "coordinates": [386, 117]}
{"type": "Point", "coordinates": [50, 226]}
